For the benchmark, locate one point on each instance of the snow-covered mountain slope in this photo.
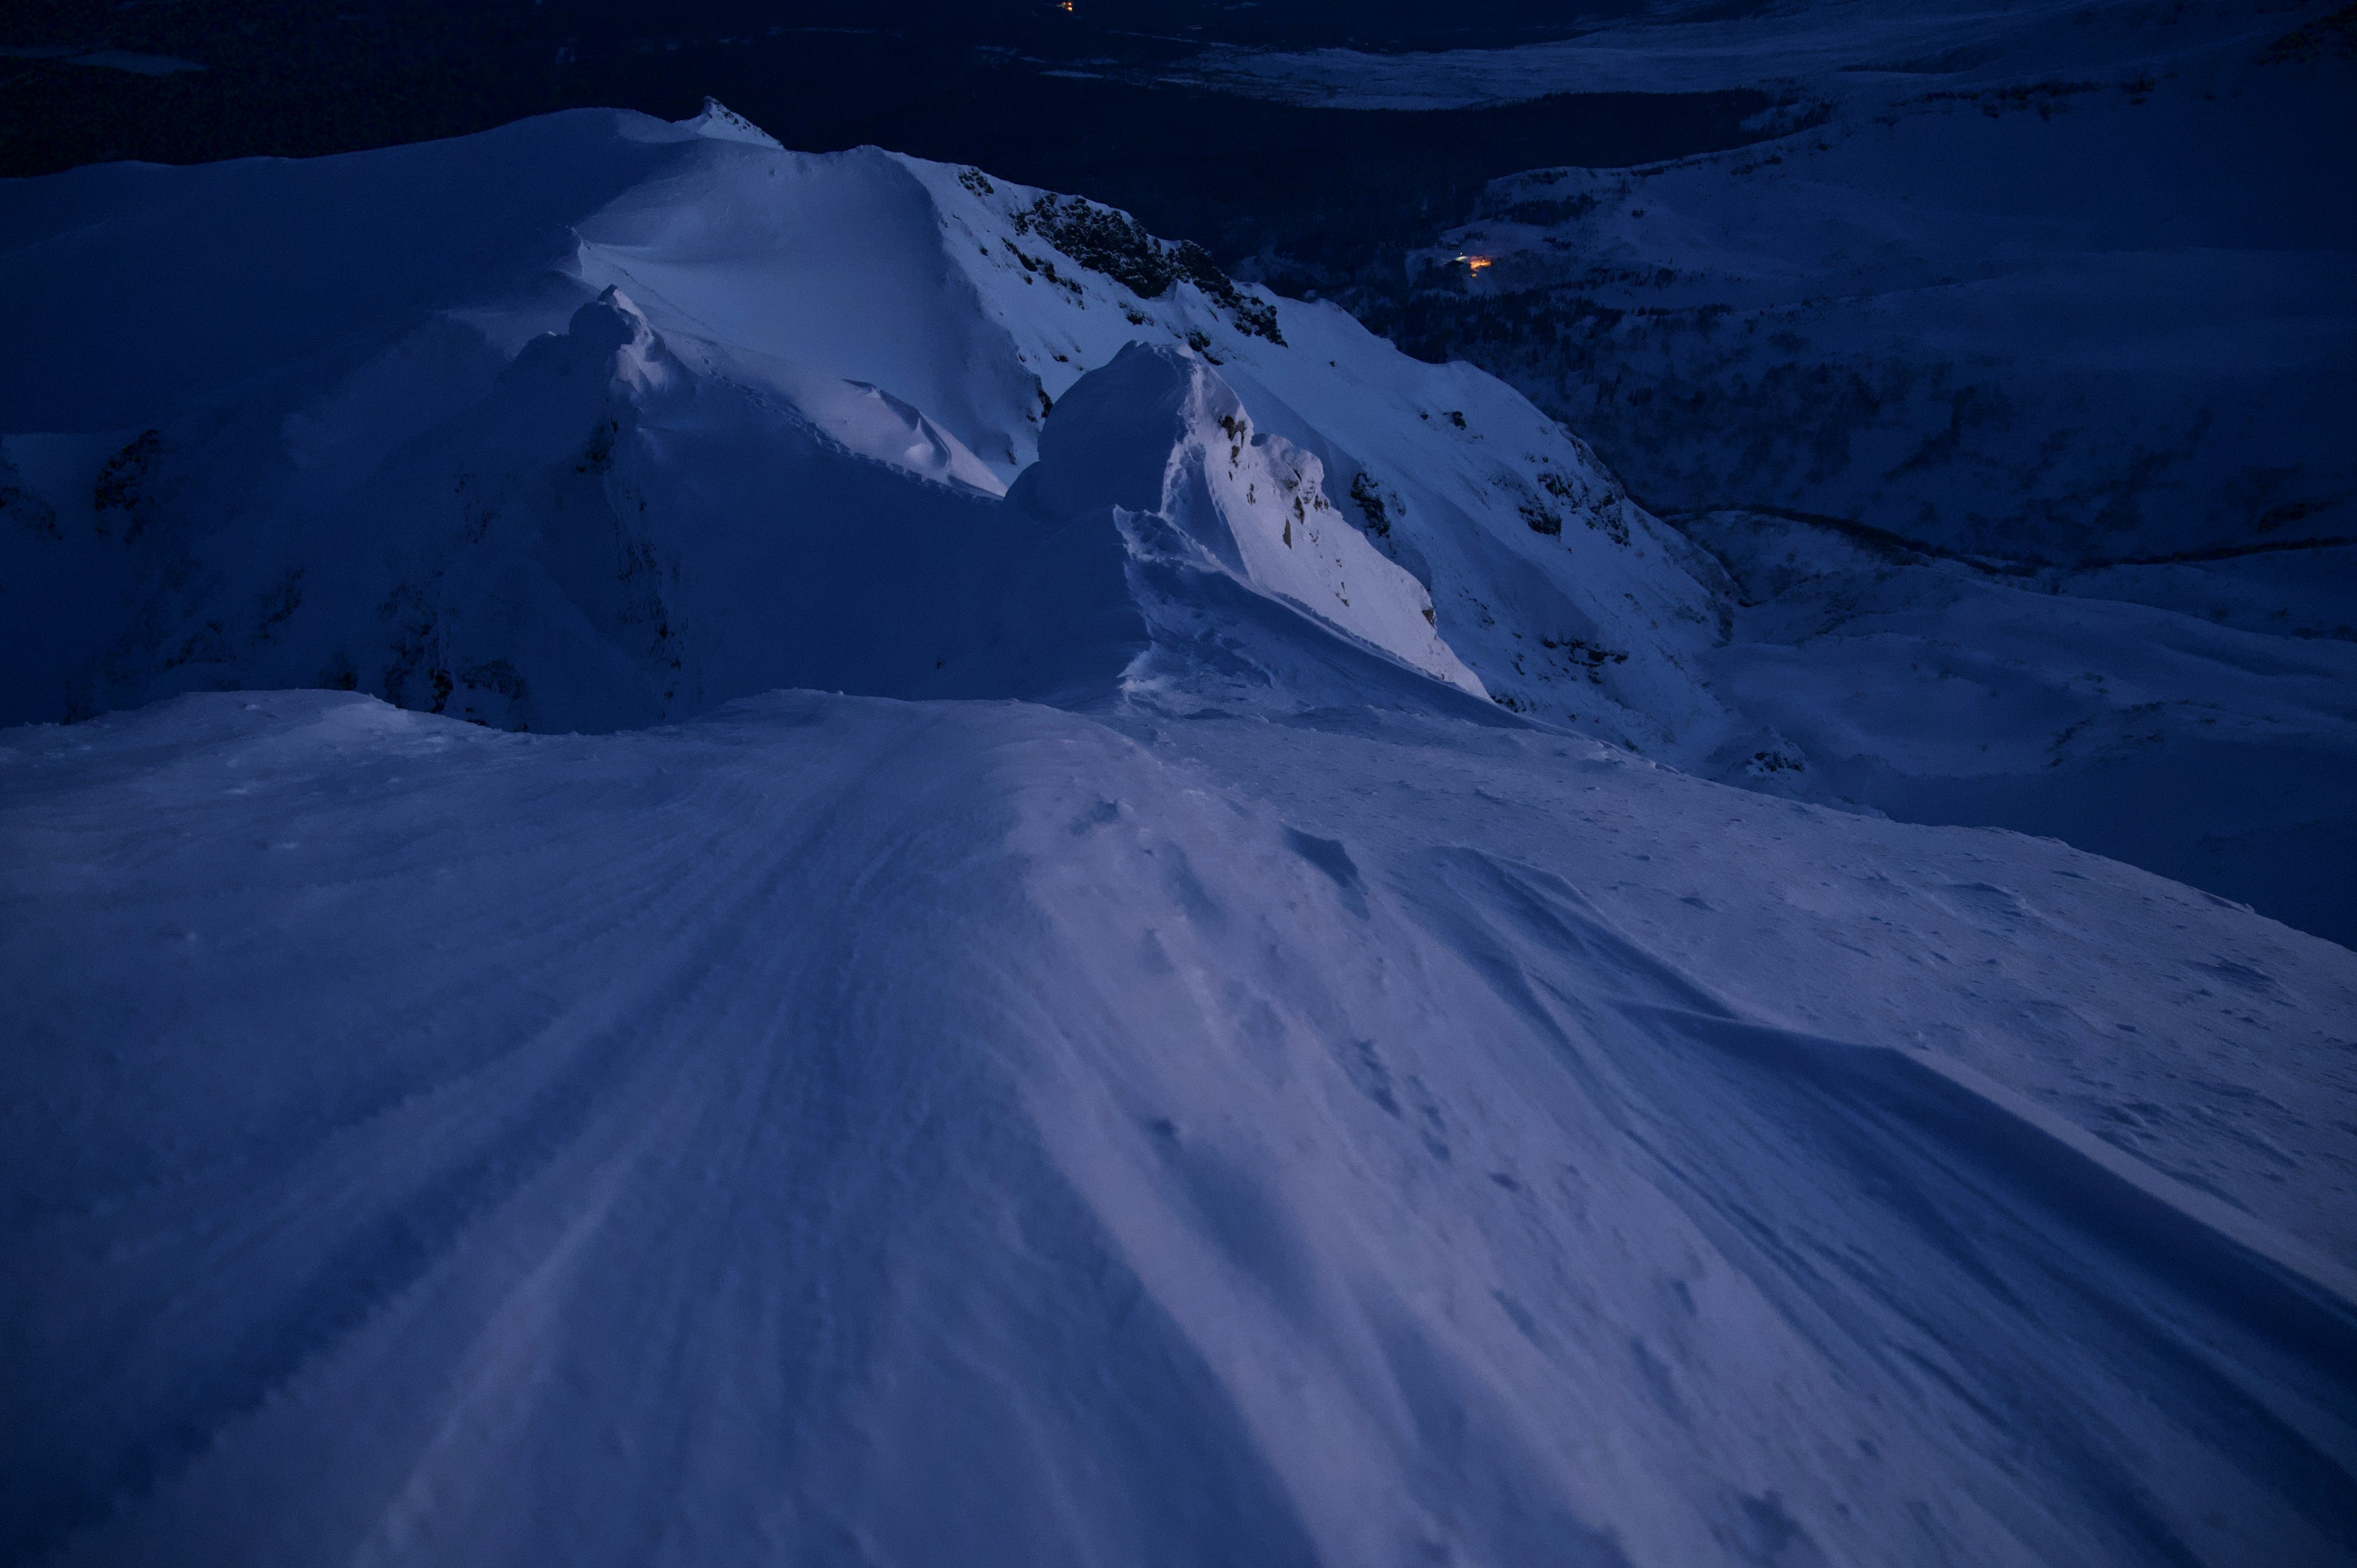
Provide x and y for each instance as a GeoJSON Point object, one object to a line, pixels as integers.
{"type": "Point", "coordinates": [849, 1131]}
{"type": "Point", "coordinates": [596, 422]}
{"type": "Point", "coordinates": [609, 538]}
{"type": "Point", "coordinates": [1144, 1056]}
{"type": "Point", "coordinates": [2066, 287]}
{"type": "Point", "coordinates": [300, 424]}
{"type": "Point", "coordinates": [2047, 281]}
{"type": "Point", "coordinates": [1936, 691]}
{"type": "Point", "coordinates": [1841, 50]}
{"type": "Point", "coordinates": [2067, 319]}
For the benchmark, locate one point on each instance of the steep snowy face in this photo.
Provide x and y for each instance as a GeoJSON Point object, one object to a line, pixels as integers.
{"type": "Point", "coordinates": [383, 481]}
{"type": "Point", "coordinates": [612, 537]}
{"type": "Point", "coordinates": [1563, 597]}
{"type": "Point", "coordinates": [1159, 432]}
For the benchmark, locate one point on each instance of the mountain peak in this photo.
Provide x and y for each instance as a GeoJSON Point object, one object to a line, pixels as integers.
{"type": "Point", "coordinates": [722, 123]}
{"type": "Point", "coordinates": [1158, 430]}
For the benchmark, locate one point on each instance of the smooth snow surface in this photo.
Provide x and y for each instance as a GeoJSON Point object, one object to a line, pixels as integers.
{"type": "Point", "coordinates": [843, 1130]}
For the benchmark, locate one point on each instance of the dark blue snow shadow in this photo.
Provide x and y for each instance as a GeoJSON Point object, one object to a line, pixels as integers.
{"type": "Point", "coordinates": [2074, 1321]}
{"type": "Point", "coordinates": [1489, 1478]}
{"type": "Point", "coordinates": [75, 1476]}
{"type": "Point", "coordinates": [1330, 857]}
{"type": "Point", "coordinates": [2109, 1192]}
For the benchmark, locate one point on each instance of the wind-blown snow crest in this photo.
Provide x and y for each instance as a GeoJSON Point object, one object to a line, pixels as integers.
{"type": "Point", "coordinates": [884, 336]}
{"type": "Point", "coordinates": [1159, 432]}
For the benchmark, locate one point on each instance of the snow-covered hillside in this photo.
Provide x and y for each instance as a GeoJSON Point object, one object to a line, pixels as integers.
{"type": "Point", "coordinates": [2050, 281]}
{"type": "Point", "coordinates": [850, 1132]}
{"type": "Point", "coordinates": [2060, 300]}
{"type": "Point", "coordinates": [2062, 319]}
{"type": "Point", "coordinates": [1099, 980]}
{"type": "Point", "coordinates": [2108, 708]}
{"type": "Point", "coordinates": [661, 416]}
{"type": "Point", "coordinates": [304, 423]}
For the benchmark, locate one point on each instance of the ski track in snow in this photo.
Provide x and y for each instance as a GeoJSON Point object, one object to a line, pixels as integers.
{"type": "Point", "coordinates": [844, 1129]}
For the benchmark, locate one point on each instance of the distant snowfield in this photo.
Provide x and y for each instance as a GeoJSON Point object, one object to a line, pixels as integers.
{"type": "Point", "coordinates": [2070, 319]}
{"type": "Point", "coordinates": [1843, 47]}
{"type": "Point", "coordinates": [2119, 709]}
{"type": "Point", "coordinates": [974, 898]}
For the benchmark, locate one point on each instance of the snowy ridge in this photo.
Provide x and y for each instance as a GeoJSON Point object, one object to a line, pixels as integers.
{"type": "Point", "coordinates": [853, 1127]}
{"type": "Point", "coordinates": [1159, 432]}
{"type": "Point", "coordinates": [611, 538]}
{"type": "Point", "coordinates": [724, 124]}
{"type": "Point", "coordinates": [855, 305]}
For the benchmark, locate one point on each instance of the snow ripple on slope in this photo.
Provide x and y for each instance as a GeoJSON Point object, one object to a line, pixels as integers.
{"type": "Point", "coordinates": [850, 1131]}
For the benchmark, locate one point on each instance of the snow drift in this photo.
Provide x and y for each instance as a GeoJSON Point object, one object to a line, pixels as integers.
{"type": "Point", "coordinates": [844, 1130]}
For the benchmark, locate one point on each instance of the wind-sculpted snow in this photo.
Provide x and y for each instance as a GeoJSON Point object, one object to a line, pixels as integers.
{"type": "Point", "coordinates": [609, 538]}
{"type": "Point", "coordinates": [838, 355]}
{"type": "Point", "coordinates": [843, 1130]}
{"type": "Point", "coordinates": [1156, 432]}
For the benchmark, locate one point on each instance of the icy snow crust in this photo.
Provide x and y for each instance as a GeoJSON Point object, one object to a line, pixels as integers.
{"type": "Point", "coordinates": [1168, 1069]}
